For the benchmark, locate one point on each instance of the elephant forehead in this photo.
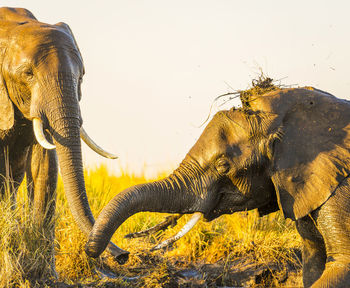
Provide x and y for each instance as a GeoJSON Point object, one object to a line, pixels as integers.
{"type": "Point", "coordinates": [221, 136]}
{"type": "Point", "coordinates": [36, 42]}
{"type": "Point", "coordinates": [34, 35]}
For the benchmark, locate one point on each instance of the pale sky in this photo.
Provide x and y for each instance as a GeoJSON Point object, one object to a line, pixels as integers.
{"type": "Point", "coordinates": [153, 67]}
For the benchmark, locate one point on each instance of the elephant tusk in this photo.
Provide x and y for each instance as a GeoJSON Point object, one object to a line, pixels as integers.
{"type": "Point", "coordinates": [170, 220]}
{"type": "Point", "coordinates": [86, 138]}
{"type": "Point", "coordinates": [187, 227]}
{"type": "Point", "coordinates": [39, 134]}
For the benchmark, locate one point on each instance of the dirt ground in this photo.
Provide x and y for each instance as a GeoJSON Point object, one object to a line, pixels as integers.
{"type": "Point", "coordinates": [242, 272]}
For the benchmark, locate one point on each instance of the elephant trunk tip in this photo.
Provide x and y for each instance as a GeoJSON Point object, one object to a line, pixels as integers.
{"type": "Point", "coordinates": [91, 250]}
{"type": "Point", "coordinates": [94, 251]}
{"type": "Point", "coordinates": [122, 258]}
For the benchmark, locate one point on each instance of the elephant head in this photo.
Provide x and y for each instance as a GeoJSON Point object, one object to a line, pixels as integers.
{"type": "Point", "coordinates": [40, 83]}
{"type": "Point", "coordinates": [287, 149]}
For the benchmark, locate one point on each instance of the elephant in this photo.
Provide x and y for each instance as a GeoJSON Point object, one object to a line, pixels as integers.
{"type": "Point", "coordinates": [287, 149]}
{"type": "Point", "coordinates": [40, 89]}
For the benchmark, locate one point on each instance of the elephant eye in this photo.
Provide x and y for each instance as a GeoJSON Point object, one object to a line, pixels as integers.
{"type": "Point", "coordinates": [222, 166]}
{"type": "Point", "coordinates": [28, 73]}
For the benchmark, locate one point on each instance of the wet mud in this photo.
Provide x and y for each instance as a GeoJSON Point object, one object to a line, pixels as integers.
{"type": "Point", "coordinates": [154, 272]}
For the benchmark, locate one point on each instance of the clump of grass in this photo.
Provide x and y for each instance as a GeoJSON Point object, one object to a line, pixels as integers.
{"type": "Point", "coordinates": [26, 247]}
{"type": "Point", "coordinates": [262, 85]}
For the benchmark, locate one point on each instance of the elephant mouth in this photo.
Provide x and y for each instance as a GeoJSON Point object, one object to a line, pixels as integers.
{"type": "Point", "coordinates": [215, 210]}
{"type": "Point", "coordinates": [211, 215]}
{"type": "Point", "coordinates": [229, 200]}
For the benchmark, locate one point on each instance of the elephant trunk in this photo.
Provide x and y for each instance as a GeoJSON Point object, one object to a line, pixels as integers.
{"type": "Point", "coordinates": [68, 147]}
{"type": "Point", "coordinates": [170, 195]}
{"type": "Point", "coordinates": [64, 121]}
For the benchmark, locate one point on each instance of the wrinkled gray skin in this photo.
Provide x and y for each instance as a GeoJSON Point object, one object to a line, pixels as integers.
{"type": "Point", "coordinates": [41, 75]}
{"type": "Point", "coordinates": [288, 150]}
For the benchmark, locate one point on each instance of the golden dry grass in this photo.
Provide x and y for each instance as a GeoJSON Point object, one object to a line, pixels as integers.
{"type": "Point", "coordinates": [25, 246]}
{"type": "Point", "coordinates": [227, 242]}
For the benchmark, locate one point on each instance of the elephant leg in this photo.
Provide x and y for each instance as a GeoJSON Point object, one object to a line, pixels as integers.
{"type": "Point", "coordinates": [314, 252]}
{"type": "Point", "coordinates": [41, 176]}
{"type": "Point", "coordinates": [12, 170]}
{"type": "Point", "coordinates": [333, 221]}
{"type": "Point", "coordinates": [4, 171]}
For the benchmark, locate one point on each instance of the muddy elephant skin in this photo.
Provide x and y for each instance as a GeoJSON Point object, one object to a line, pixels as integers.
{"type": "Point", "coordinates": [40, 89]}
{"type": "Point", "coordinates": [288, 149]}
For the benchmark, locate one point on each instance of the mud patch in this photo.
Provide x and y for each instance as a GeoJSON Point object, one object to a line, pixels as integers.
{"type": "Point", "coordinates": [241, 272]}
{"type": "Point", "coordinates": [155, 270]}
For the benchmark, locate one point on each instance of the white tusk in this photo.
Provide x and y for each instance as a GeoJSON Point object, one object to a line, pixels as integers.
{"type": "Point", "coordinates": [187, 227]}
{"type": "Point", "coordinates": [86, 138]}
{"type": "Point", "coordinates": [170, 220]}
{"type": "Point", "coordinates": [39, 134]}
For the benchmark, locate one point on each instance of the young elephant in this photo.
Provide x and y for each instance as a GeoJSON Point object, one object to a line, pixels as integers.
{"type": "Point", "coordinates": [40, 79]}
{"type": "Point", "coordinates": [288, 149]}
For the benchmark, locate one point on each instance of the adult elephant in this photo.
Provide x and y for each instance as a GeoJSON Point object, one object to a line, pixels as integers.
{"type": "Point", "coordinates": [40, 79]}
{"type": "Point", "coordinates": [288, 149]}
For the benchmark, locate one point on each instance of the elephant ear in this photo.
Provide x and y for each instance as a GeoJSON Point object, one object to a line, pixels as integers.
{"type": "Point", "coordinates": [313, 155]}
{"type": "Point", "coordinates": [14, 15]}
{"type": "Point", "coordinates": [6, 108]}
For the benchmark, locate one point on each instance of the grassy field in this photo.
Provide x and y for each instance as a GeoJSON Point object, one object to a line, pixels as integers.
{"type": "Point", "coordinates": [233, 250]}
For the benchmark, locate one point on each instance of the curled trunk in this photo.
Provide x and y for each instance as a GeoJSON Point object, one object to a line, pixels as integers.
{"type": "Point", "coordinates": [170, 195]}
